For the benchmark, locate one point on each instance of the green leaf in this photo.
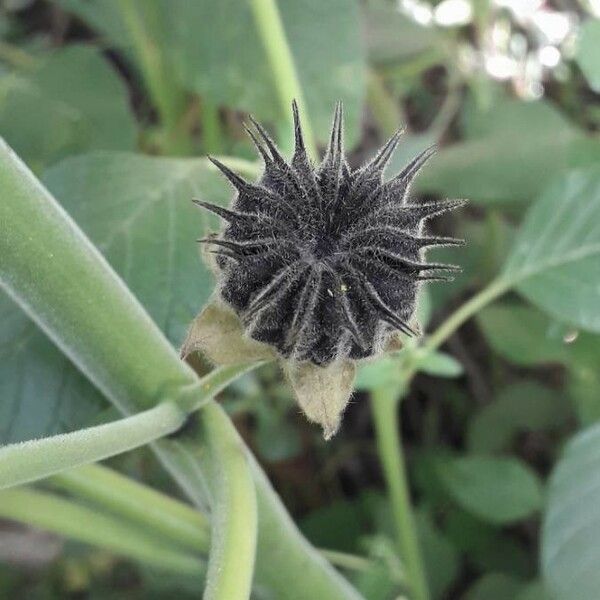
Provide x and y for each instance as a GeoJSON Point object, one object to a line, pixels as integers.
{"type": "Point", "coordinates": [215, 51]}
{"type": "Point", "coordinates": [555, 262]}
{"type": "Point", "coordinates": [391, 36]}
{"type": "Point", "coordinates": [138, 211]}
{"type": "Point", "coordinates": [494, 586]}
{"type": "Point", "coordinates": [509, 160]}
{"type": "Point", "coordinates": [440, 557]}
{"type": "Point", "coordinates": [588, 52]}
{"type": "Point", "coordinates": [439, 364]}
{"type": "Point", "coordinates": [41, 392]}
{"type": "Point", "coordinates": [73, 101]}
{"type": "Point", "coordinates": [522, 334]}
{"type": "Point", "coordinates": [570, 549]}
{"type": "Point", "coordinates": [498, 490]}
{"type": "Point", "coordinates": [382, 372]}
{"type": "Point", "coordinates": [525, 406]}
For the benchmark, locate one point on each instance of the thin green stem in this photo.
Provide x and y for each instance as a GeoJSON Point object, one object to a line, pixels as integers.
{"type": "Point", "coordinates": [36, 459]}
{"type": "Point", "coordinates": [78, 522]}
{"type": "Point", "coordinates": [285, 76]}
{"type": "Point", "coordinates": [344, 560]}
{"type": "Point", "coordinates": [383, 405]}
{"type": "Point", "coordinates": [234, 516]}
{"type": "Point", "coordinates": [488, 294]}
{"type": "Point", "coordinates": [142, 23]}
{"type": "Point", "coordinates": [385, 109]}
{"type": "Point", "coordinates": [175, 520]}
{"type": "Point", "coordinates": [212, 132]}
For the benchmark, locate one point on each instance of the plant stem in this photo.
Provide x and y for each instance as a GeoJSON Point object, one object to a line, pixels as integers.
{"type": "Point", "coordinates": [234, 516]}
{"type": "Point", "coordinates": [385, 109]}
{"type": "Point", "coordinates": [285, 76]}
{"type": "Point", "coordinates": [383, 405]}
{"type": "Point", "coordinates": [212, 134]}
{"type": "Point", "coordinates": [493, 290]}
{"type": "Point", "coordinates": [175, 520]}
{"type": "Point", "coordinates": [78, 522]}
{"type": "Point", "coordinates": [36, 459]}
{"type": "Point", "coordinates": [143, 22]}
{"type": "Point", "coordinates": [343, 560]}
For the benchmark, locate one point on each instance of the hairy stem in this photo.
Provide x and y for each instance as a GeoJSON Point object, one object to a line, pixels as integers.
{"type": "Point", "coordinates": [285, 75]}
{"type": "Point", "coordinates": [36, 459]}
{"type": "Point", "coordinates": [233, 515]}
{"type": "Point", "coordinates": [65, 517]}
{"type": "Point", "coordinates": [383, 404]}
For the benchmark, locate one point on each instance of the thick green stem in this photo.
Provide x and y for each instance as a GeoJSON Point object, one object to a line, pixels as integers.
{"type": "Point", "coordinates": [78, 522]}
{"type": "Point", "coordinates": [53, 271]}
{"type": "Point", "coordinates": [285, 76]}
{"type": "Point", "coordinates": [36, 459]}
{"type": "Point", "coordinates": [384, 404]}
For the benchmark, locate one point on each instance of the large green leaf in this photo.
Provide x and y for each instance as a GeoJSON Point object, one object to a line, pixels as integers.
{"type": "Point", "coordinates": [555, 261]}
{"type": "Point", "coordinates": [525, 406]}
{"type": "Point", "coordinates": [138, 211]}
{"type": "Point", "coordinates": [498, 490]}
{"type": "Point", "coordinates": [73, 101]}
{"type": "Point", "coordinates": [214, 49]}
{"type": "Point", "coordinates": [571, 528]}
{"type": "Point", "coordinates": [509, 155]}
{"type": "Point", "coordinates": [588, 52]}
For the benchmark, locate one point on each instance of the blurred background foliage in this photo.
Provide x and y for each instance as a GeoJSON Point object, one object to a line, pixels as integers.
{"type": "Point", "coordinates": [115, 103]}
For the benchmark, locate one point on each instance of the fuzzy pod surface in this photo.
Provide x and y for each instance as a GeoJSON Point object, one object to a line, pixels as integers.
{"type": "Point", "coordinates": [324, 262]}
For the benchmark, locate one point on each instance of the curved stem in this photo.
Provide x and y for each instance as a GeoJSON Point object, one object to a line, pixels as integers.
{"type": "Point", "coordinates": [36, 459]}
{"type": "Point", "coordinates": [234, 516]}
{"type": "Point", "coordinates": [493, 290]}
{"type": "Point", "coordinates": [285, 76]}
{"type": "Point", "coordinates": [383, 404]}
{"type": "Point", "coordinates": [78, 522]}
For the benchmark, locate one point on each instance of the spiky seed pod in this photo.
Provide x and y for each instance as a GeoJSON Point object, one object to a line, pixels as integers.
{"type": "Point", "coordinates": [325, 263]}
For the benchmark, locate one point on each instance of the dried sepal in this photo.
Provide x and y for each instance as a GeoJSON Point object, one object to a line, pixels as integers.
{"type": "Point", "coordinates": [218, 334]}
{"type": "Point", "coordinates": [322, 392]}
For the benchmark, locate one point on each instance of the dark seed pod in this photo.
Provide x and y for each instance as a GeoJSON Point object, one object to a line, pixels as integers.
{"type": "Point", "coordinates": [325, 263]}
